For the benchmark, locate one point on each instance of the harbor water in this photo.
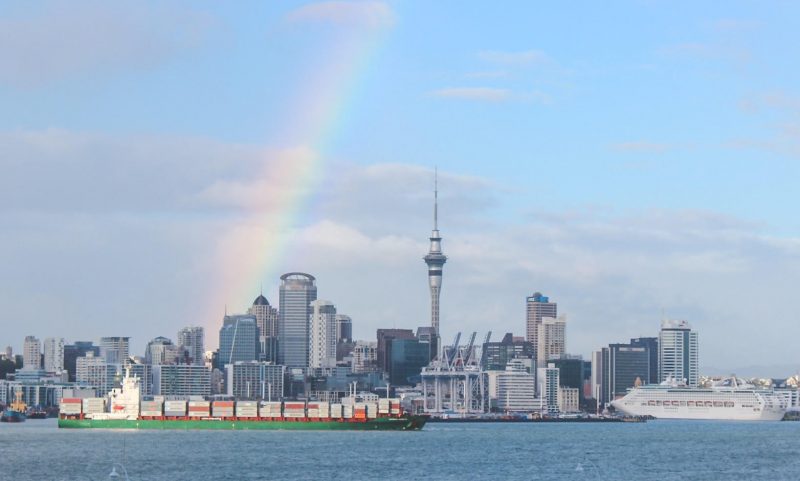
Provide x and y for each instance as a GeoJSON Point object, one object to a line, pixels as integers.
{"type": "Point", "coordinates": [662, 450]}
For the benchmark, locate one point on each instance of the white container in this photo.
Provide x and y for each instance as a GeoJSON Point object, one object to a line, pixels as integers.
{"type": "Point", "coordinates": [336, 411]}
{"type": "Point", "coordinates": [70, 408]}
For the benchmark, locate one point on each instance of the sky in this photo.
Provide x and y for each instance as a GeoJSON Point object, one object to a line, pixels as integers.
{"type": "Point", "coordinates": [162, 162]}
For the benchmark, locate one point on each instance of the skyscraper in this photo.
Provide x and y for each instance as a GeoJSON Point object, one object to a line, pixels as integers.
{"type": "Point", "coordinates": [297, 291]}
{"type": "Point", "coordinates": [435, 261]}
{"type": "Point", "coordinates": [162, 351]}
{"type": "Point", "coordinates": [622, 365]}
{"type": "Point", "coordinates": [31, 353]}
{"type": "Point", "coordinates": [322, 334]}
{"type": "Point", "coordinates": [344, 328]}
{"type": "Point", "coordinates": [115, 350]}
{"type": "Point", "coordinates": [238, 339]}
{"type": "Point", "coordinates": [537, 308]}
{"type": "Point", "coordinates": [191, 339]}
{"type": "Point", "coordinates": [54, 354]}
{"type": "Point", "coordinates": [678, 352]}
{"type": "Point", "coordinates": [267, 322]}
{"type": "Point", "coordinates": [73, 351]}
{"type": "Point", "coordinates": [550, 339]}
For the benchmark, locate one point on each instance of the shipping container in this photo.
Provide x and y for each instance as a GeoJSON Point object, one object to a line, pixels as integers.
{"type": "Point", "coordinates": [347, 412]}
{"type": "Point", "coordinates": [175, 414]}
{"type": "Point", "coordinates": [94, 405]}
{"type": "Point", "coordinates": [150, 414]}
{"type": "Point", "coordinates": [71, 406]}
{"type": "Point", "coordinates": [372, 410]}
{"type": "Point", "coordinates": [175, 405]}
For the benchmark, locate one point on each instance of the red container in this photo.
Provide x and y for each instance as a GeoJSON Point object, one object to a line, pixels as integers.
{"type": "Point", "coordinates": [223, 404]}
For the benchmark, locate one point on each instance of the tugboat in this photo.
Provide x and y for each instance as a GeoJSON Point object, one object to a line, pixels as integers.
{"type": "Point", "coordinates": [15, 413]}
{"type": "Point", "coordinates": [36, 413]}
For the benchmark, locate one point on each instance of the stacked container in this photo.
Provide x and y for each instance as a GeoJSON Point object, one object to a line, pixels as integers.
{"type": "Point", "coordinates": [294, 410]}
{"type": "Point", "coordinates": [246, 409]}
{"type": "Point", "coordinates": [268, 409]}
{"type": "Point", "coordinates": [222, 409]}
{"type": "Point", "coordinates": [199, 409]}
{"type": "Point", "coordinates": [94, 405]}
{"type": "Point", "coordinates": [395, 407]}
{"type": "Point", "coordinates": [175, 408]}
{"type": "Point", "coordinates": [71, 406]}
{"type": "Point", "coordinates": [372, 410]}
{"type": "Point", "coordinates": [347, 411]}
{"type": "Point", "coordinates": [336, 410]}
{"type": "Point", "coordinates": [151, 408]}
{"type": "Point", "coordinates": [360, 411]}
{"type": "Point", "coordinates": [313, 409]}
{"type": "Point", "coordinates": [324, 410]}
{"type": "Point", "coordinates": [384, 406]}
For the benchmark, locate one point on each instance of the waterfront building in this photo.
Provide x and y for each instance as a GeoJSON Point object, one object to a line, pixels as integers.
{"type": "Point", "coordinates": [623, 365]}
{"type": "Point", "coordinates": [192, 340]}
{"type": "Point", "coordinates": [238, 339]}
{"type": "Point", "coordinates": [571, 373]}
{"type": "Point", "coordinates": [678, 352]}
{"type": "Point", "coordinates": [115, 350]}
{"type": "Point", "coordinates": [551, 339]}
{"type": "Point", "coordinates": [406, 359]}
{"type": "Point", "coordinates": [568, 399]}
{"type": "Point", "coordinates": [514, 389]}
{"type": "Point", "coordinates": [344, 328]}
{"type": "Point", "coordinates": [73, 351]}
{"type": "Point", "coordinates": [497, 355]}
{"type": "Point", "coordinates": [435, 259]}
{"type": "Point", "coordinates": [31, 353]}
{"type": "Point", "coordinates": [548, 381]}
{"type": "Point", "coordinates": [254, 380]}
{"type": "Point", "coordinates": [384, 337]}
{"type": "Point", "coordinates": [322, 334]}
{"type": "Point", "coordinates": [267, 322]}
{"type": "Point", "coordinates": [181, 380]}
{"type": "Point", "coordinates": [297, 291]}
{"type": "Point", "coordinates": [54, 354]}
{"type": "Point", "coordinates": [365, 356]}
{"type": "Point", "coordinates": [538, 307]}
{"type": "Point", "coordinates": [162, 351]}
{"type": "Point", "coordinates": [651, 343]}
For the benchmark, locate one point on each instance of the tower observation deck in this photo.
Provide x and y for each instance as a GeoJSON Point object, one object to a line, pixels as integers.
{"type": "Point", "coordinates": [435, 259]}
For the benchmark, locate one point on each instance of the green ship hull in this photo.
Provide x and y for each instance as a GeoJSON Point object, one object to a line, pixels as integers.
{"type": "Point", "coordinates": [406, 423]}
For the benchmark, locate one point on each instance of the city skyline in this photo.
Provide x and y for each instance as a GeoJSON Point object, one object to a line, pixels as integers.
{"type": "Point", "coordinates": [620, 177]}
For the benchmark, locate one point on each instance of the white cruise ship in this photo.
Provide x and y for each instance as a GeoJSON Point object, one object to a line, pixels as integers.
{"type": "Point", "coordinates": [730, 399]}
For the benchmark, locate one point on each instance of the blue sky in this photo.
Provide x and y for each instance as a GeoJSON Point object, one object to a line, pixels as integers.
{"type": "Point", "coordinates": [660, 135]}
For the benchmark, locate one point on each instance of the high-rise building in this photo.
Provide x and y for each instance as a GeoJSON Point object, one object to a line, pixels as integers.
{"type": "Point", "coordinates": [622, 365]}
{"type": "Point", "coordinates": [496, 355]}
{"type": "Point", "coordinates": [238, 339]}
{"type": "Point", "coordinates": [537, 308]}
{"type": "Point", "coordinates": [344, 328]}
{"type": "Point", "coordinates": [597, 376]}
{"type": "Point", "coordinates": [31, 353]}
{"type": "Point", "coordinates": [162, 351]}
{"type": "Point", "coordinates": [551, 339]}
{"type": "Point", "coordinates": [322, 334]}
{"type": "Point", "coordinates": [267, 322]}
{"type": "Point", "coordinates": [548, 380]}
{"type": "Point", "coordinates": [570, 373]}
{"type": "Point", "coordinates": [365, 356]}
{"type": "Point", "coordinates": [255, 380]}
{"type": "Point", "coordinates": [54, 354]}
{"type": "Point", "coordinates": [435, 261]}
{"type": "Point", "coordinates": [406, 358]}
{"type": "Point", "coordinates": [191, 340]}
{"type": "Point", "coordinates": [651, 343]}
{"type": "Point", "coordinates": [678, 352]}
{"type": "Point", "coordinates": [115, 350]}
{"type": "Point", "coordinates": [73, 351]}
{"type": "Point", "coordinates": [181, 380]}
{"type": "Point", "coordinates": [297, 291]}
{"type": "Point", "coordinates": [516, 387]}
{"type": "Point", "coordinates": [384, 337]}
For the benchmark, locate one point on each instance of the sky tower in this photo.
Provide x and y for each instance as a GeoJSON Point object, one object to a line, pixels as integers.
{"type": "Point", "coordinates": [435, 258]}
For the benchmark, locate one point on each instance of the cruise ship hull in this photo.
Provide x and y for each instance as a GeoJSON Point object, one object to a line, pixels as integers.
{"type": "Point", "coordinates": [406, 423]}
{"type": "Point", "coordinates": [700, 413]}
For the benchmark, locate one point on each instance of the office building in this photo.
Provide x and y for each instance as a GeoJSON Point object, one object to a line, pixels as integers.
{"type": "Point", "coordinates": [267, 322]}
{"type": "Point", "coordinates": [538, 307]}
{"type": "Point", "coordinates": [365, 356]}
{"type": "Point", "coordinates": [384, 337]}
{"type": "Point", "coordinates": [651, 343]}
{"type": "Point", "coordinates": [73, 351]}
{"type": "Point", "coordinates": [115, 350]}
{"type": "Point", "coordinates": [516, 387]}
{"type": "Point", "coordinates": [406, 358]}
{"type": "Point", "coordinates": [344, 328]}
{"type": "Point", "coordinates": [162, 351]}
{"type": "Point", "coordinates": [54, 354]}
{"type": "Point", "coordinates": [568, 400]}
{"type": "Point", "coordinates": [32, 353]}
{"type": "Point", "coordinates": [322, 334]}
{"type": "Point", "coordinates": [622, 365]}
{"type": "Point", "coordinates": [435, 260]}
{"type": "Point", "coordinates": [297, 291]}
{"type": "Point", "coordinates": [551, 339]}
{"type": "Point", "coordinates": [192, 340]}
{"type": "Point", "coordinates": [678, 352]}
{"type": "Point", "coordinates": [570, 373]}
{"type": "Point", "coordinates": [255, 380]}
{"type": "Point", "coordinates": [238, 339]}
{"type": "Point", "coordinates": [181, 380]}
{"type": "Point", "coordinates": [548, 380]}
{"type": "Point", "coordinates": [496, 355]}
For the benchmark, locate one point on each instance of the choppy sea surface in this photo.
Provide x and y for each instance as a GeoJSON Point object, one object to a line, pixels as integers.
{"type": "Point", "coordinates": [657, 450]}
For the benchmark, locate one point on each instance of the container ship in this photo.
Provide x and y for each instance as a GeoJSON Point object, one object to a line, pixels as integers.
{"type": "Point", "coordinates": [124, 408]}
{"type": "Point", "coordinates": [730, 399]}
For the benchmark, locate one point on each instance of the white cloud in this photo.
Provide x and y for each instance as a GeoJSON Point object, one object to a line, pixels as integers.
{"type": "Point", "coordinates": [63, 39]}
{"type": "Point", "coordinates": [368, 14]}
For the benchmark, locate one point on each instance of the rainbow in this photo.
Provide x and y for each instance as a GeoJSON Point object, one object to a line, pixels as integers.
{"type": "Point", "coordinates": [250, 253]}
